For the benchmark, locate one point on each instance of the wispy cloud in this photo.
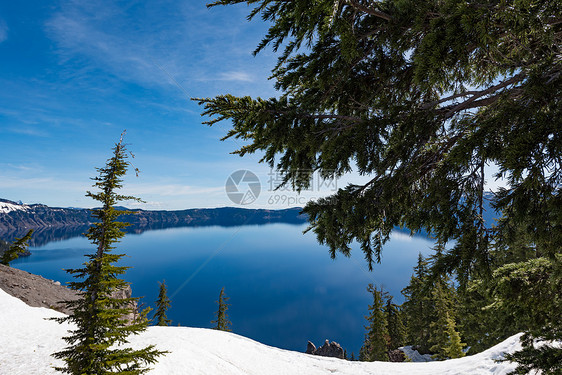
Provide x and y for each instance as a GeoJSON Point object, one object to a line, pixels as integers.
{"type": "Point", "coordinates": [148, 205]}
{"type": "Point", "coordinates": [27, 130]}
{"type": "Point", "coordinates": [3, 31]}
{"type": "Point", "coordinates": [156, 47]}
{"type": "Point", "coordinates": [236, 76]}
{"type": "Point", "coordinates": [169, 190]}
{"type": "Point", "coordinates": [45, 183]}
{"type": "Point", "coordinates": [79, 37]}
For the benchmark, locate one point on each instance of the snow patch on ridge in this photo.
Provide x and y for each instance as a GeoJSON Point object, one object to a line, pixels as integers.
{"type": "Point", "coordinates": [6, 207]}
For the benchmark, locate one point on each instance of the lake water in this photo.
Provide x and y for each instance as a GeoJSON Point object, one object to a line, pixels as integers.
{"type": "Point", "coordinates": [283, 286]}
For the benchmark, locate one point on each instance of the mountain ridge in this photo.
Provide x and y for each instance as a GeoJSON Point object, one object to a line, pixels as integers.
{"type": "Point", "coordinates": [16, 218]}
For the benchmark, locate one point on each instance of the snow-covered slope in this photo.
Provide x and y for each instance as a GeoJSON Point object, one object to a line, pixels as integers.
{"type": "Point", "coordinates": [27, 340]}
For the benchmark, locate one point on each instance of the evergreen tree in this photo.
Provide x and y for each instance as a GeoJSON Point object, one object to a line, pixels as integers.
{"type": "Point", "coordinates": [421, 97]}
{"type": "Point", "coordinates": [482, 322]}
{"type": "Point", "coordinates": [537, 284]}
{"type": "Point", "coordinates": [19, 246]}
{"type": "Point", "coordinates": [418, 307]}
{"type": "Point", "coordinates": [101, 327]}
{"type": "Point", "coordinates": [396, 328]}
{"type": "Point", "coordinates": [375, 347]}
{"type": "Point", "coordinates": [454, 347]}
{"type": "Point", "coordinates": [443, 335]}
{"type": "Point", "coordinates": [162, 305]}
{"type": "Point", "coordinates": [222, 322]}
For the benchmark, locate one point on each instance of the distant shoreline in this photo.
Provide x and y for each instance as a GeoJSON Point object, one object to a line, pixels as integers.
{"type": "Point", "coordinates": [16, 219]}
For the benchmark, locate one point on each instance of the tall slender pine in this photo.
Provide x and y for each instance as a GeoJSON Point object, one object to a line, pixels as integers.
{"type": "Point", "coordinates": [222, 322]}
{"type": "Point", "coordinates": [162, 305]}
{"type": "Point", "coordinates": [100, 318]}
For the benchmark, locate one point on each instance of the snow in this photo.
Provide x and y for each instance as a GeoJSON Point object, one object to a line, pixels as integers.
{"type": "Point", "coordinates": [6, 207]}
{"type": "Point", "coordinates": [414, 356]}
{"type": "Point", "coordinates": [27, 341]}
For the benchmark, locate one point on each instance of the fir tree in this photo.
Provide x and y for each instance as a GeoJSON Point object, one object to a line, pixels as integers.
{"type": "Point", "coordinates": [162, 305]}
{"type": "Point", "coordinates": [396, 328]}
{"type": "Point", "coordinates": [537, 283]}
{"type": "Point", "coordinates": [454, 347]}
{"type": "Point", "coordinates": [222, 322]}
{"type": "Point", "coordinates": [418, 307]}
{"type": "Point", "coordinates": [375, 347]}
{"type": "Point", "coordinates": [19, 246]}
{"type": "Point", "coordinates": [443, 335]}
{"type": "Point", "coordinates": [101, 327]}
{"type": "Point", "coordinates": [420, 97]}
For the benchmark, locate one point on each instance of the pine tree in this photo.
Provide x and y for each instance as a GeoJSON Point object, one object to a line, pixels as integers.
{"type": "Point", "coordinates": [101, 327]}
{"type": "Point", "coordinates": [396, 328]}
{"type": "Point", "coordinates": [19, 246]}
{"type": "Point", "coordinates": [375, 347]}
{"type": "Point", "coordinates": [162, 305]}
{"type": "Point", "coordinates": [222, 322]}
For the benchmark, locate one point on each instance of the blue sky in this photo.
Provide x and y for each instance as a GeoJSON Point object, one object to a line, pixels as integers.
{"type": "Point", "coordinates": [75, 74]}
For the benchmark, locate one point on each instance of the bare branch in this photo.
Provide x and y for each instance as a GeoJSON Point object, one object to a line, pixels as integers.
{"type": "Point", "coordinates": [472, 102]}
{"type": "Point", "coordinates": [446, 99]}
{"type": "Point", "coordinates": [355, 4]}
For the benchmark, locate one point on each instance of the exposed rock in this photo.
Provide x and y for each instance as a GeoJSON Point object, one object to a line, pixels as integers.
{"type": "Point", "coordinates": [37, 291]}
{"type": "Point", "coordinates": [396, 355]}
{"type": "Point", "coordinates": [332, 349]}
{"type": "Point", "coordinates": [310, 348]}
{"type": "Point", "coordinates": [127, 293]}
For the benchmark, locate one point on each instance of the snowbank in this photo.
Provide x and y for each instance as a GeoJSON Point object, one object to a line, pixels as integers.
{"type": "Point", "coordinates": [27, 341]}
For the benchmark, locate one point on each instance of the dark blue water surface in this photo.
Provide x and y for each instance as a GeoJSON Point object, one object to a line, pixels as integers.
{"type": "Point", "coordinates": [283, 286]}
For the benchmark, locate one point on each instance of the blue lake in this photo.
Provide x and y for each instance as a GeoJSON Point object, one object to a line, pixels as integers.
{"type": "Point", "coordinates": [283, 286]}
